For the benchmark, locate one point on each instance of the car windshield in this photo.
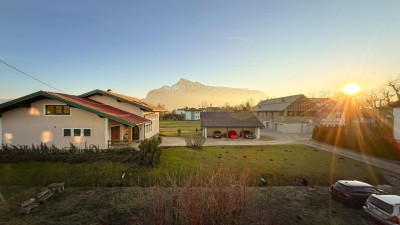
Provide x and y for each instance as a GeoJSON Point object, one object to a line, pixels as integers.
{"type": "Point", "coordinates": [374, 200]}
{"type": "Point", "coordinates": [339, 186]}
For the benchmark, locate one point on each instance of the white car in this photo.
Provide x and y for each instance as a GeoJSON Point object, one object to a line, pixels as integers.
{"type": "Point", "coordinates": [384, 208]}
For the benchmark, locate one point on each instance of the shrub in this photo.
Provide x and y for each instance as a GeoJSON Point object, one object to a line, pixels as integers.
{"type": "Point", "coordinates": [195, 142]}
{"type": "Point", "coordinates": [44, 153]}
{"type": "Point", "coordinates": [150, 152]}
{"type": "Point", "coordinates": [171, 116]}
{"type": "Point", "coordinates": [364, 138]}
{"type": "Point", "coordinates": [179, 131]}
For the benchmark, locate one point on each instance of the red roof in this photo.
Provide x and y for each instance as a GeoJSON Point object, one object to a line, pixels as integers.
{"type": "Point", "coordinates": [101, 109]}
{"type": "Point", "coordinates": [138, 101]}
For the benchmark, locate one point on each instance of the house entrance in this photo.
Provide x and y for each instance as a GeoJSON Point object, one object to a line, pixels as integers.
{"type": "Point", "coordinates": [135, 133]}
{"type": "Point", "coordinates": [115, 133]}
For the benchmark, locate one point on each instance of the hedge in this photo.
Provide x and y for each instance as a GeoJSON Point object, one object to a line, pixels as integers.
{"type": "Point", "coordinates": [364, 138]}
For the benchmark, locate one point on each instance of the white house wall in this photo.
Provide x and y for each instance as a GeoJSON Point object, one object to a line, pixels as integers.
{"type": "Point", "coordinates": [188, 115]}
{"type": "Point", "coordinates": [27, 126]}
{"type": "Point", "coordinates": [289, 128]}
{"type": "Point", "coordinates": [155, 124]}
{"type": "Point", "coordinates": [120, 105]}
{"type": "Point", "coordinates": [396, 124]}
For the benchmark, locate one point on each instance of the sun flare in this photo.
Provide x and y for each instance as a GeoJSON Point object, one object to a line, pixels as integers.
{"type": "Point", "coordinates": [351, 89]}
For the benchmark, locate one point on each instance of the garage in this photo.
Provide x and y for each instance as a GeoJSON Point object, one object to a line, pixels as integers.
{"type": "Point", "coordinates": [230, 123]}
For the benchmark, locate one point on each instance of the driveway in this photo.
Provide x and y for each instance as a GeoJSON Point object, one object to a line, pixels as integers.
{"type": "Point", "coordinates": [276, 138]}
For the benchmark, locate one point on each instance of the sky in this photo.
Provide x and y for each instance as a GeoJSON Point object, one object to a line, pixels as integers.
{"type": "Point", "coordinates": [278, 47]}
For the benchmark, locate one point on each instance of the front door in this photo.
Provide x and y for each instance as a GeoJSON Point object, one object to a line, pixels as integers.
{"type": "Point", "coordinates": [135, 133]}
{"type": "Point", "coordinates": [115, 133]}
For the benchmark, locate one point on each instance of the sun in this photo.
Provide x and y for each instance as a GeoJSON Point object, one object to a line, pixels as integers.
{"type": "Point", "coordinates": [351, 89]}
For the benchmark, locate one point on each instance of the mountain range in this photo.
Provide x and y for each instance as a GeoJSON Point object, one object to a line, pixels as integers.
{"type": "Point", "coordinates": [186, 93]}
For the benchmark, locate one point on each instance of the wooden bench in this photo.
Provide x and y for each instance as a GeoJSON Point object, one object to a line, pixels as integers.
{"type": "Point", "coordinates": [28, 205]}
{"type": "Point", "coordinates": [42, 196]}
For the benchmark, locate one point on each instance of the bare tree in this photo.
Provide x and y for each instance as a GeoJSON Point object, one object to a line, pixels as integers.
{"type": "Point", "coordinates": [204, 104]}
{"type": "Point", "coordinates": [394, 84]}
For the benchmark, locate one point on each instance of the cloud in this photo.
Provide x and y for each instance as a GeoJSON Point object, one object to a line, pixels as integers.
{"type": "Point", "coordinates": [242, 39]}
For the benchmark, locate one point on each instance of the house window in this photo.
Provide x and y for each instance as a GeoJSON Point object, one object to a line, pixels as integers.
{"type": "Point", "coordinates": [87, 132]}
{"type": "Point", "coordinates": [77, 132]}
{"type": "Point", "coordinates": [148, 128]}
{"type": "Point", "coordinates": [338, 115]}
{"type": "Point", "coordinates": [57, 110]}
{"type": "Point", "coordinates": [67, 132]}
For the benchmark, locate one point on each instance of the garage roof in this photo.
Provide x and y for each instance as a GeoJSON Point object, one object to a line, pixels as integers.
{"type": "Point", "coordinates": [229, 119]}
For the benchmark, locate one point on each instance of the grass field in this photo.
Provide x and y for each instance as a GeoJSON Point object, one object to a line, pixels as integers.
{"type": "Point", "coordinates": [279, 164]}
{"type": "Point", "coordinates": [170, 128]}
{"type": "Point", "coordinates": [88, 199]}
{"type": "Point", "coordinates": [120, 206]}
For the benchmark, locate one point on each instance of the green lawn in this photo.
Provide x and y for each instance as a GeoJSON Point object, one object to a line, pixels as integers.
{"type": "Point", "coordinates": [170, 128]}
{"type": "Point", "coordinates": [279, 164]}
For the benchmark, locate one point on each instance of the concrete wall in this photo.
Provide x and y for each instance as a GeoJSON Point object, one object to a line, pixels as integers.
{"type": "Point", "coordinates": [120, 105]}
{"type": "Point", "coordinates": [396, 124]}
{"type": "Point", "coordinates": [289, 128]}
{"type": "Point", "coordinates": [27, 126]}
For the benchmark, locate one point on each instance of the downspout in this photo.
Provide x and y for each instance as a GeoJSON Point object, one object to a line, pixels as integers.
{"type": "Point", "coordinates": [106, 133]}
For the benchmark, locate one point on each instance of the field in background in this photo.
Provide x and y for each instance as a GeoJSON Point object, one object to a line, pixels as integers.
{"type": "Point", "coordinates": [170, 128]}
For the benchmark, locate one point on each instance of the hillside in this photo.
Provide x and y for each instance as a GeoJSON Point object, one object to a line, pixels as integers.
{"type": "Point", "coordinates": [186, 93]}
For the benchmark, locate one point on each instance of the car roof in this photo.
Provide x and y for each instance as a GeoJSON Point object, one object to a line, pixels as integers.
{"type": "Point", "coordinates": [354, 183]}
{"type": "Point", "coordinates": [391, 199]}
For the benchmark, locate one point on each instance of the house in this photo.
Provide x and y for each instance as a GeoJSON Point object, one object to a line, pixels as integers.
{"type": "Point", "coordinates": [100, 118]}
{"type": "Point", "coordinates": [290, 114]}
{"type": "Point", "coordinates": [189, 113]}
{"type": "Point", "coordinates": [396, 121]}
{"type": "Point", "coordinates": [329, 112]}
{"type": "Point", "coordinates": [226, 121]}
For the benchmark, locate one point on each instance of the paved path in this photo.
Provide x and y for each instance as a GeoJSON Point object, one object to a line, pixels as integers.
{"type": "Point", "coordinates": [276, 138]}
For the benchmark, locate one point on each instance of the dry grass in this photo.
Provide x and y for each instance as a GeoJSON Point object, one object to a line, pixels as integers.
{"type": "Point", "coordinates": [214, 196]}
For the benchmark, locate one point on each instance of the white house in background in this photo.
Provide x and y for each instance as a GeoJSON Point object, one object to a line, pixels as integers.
{"type": "Point", "coordinates": [102, 118]}
{"type": "Point", "coordinates": [189, 113]}
{"type": "Point", "coordinates": [396, 120]}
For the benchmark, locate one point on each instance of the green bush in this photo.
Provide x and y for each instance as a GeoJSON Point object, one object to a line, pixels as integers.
{"type": "Point", "coordinates": [150, 152]}
{"type": "Point", "coordinates": [44, 153]}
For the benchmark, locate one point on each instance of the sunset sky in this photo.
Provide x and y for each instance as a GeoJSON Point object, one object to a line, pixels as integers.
{"type": "Point", "coordinates": [278, 47]}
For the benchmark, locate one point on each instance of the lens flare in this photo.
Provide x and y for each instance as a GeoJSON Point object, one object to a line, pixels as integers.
{"type": "Point", "coordinates": [351, 89]}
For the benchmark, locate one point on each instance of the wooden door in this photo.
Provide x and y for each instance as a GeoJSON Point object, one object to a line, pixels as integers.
{"type": "Point", "coordinates": [115, 133]}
